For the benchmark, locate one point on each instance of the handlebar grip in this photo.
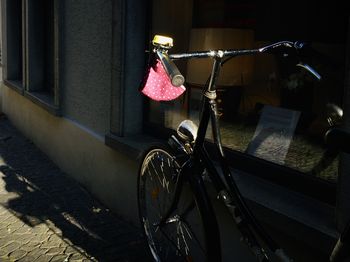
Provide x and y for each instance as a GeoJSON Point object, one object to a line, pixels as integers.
{"type": "Point", "coordinates": [311, 70]}
{"type": "Point", "coordinates": [173, 72]}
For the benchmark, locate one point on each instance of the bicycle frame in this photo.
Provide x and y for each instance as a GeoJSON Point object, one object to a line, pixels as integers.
{"type": "Point", "coordinates": [210, 112]}
{"type": "Point", "coordinates": [235, 203]}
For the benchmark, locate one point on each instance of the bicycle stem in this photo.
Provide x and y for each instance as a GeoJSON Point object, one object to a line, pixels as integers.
{"type": "Point", "coordinates": [214, 76]}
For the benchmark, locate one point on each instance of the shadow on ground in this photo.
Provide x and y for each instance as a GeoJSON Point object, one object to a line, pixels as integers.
{"type": "Point", "coordinates": [37, 192]}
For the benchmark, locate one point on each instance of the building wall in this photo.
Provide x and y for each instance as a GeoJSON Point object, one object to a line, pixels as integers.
{"type": "Point", "coordinates": [78, 151]}
{"type": "Point", "coordinates": [86, 49]}
{"type": "Point", "coordinates": [75, 141]}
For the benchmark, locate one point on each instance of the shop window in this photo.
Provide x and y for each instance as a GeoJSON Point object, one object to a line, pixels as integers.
{"type": "Point", "coordinates": [271, 110]}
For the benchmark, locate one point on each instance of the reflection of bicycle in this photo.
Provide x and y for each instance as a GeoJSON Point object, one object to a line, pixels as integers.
{"type": "Point", "coordinates": [176, 214]}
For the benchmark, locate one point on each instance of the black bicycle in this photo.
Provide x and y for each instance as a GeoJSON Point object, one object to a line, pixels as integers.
{"type": "Point", "coordinates": [177, 216]}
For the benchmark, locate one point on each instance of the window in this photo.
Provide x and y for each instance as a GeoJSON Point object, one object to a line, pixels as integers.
{"type": "Point", "coordinates": [14, 44]}
{"type": "Point", "coordinates": [274, 115]}
{"type": "Point", "coordinates": [32, 50]}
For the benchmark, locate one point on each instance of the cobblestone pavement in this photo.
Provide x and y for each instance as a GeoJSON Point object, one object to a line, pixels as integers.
{"type": "Point", "coordinates": [46, 216]}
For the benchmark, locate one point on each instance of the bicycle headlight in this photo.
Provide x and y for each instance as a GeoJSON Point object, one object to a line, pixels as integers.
{"type": "Point", "coordinates": [187, 131]}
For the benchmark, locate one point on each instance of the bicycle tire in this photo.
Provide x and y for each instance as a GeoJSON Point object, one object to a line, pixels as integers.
{"type": "Point", "coordinates": [188, 236]}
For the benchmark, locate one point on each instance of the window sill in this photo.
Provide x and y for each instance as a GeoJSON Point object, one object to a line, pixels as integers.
{"type": "Point", "coordinates": [15, 85]}
{"type": "Point", "coordinates": [132, 146]}
{"type": "Point", "coordinates": [297, 215]}
{"type": "Point", "coordinates": [43, 100]}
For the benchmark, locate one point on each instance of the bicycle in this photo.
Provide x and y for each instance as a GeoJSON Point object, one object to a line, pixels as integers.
{"type": "Point", "coordinates": [177, 217]}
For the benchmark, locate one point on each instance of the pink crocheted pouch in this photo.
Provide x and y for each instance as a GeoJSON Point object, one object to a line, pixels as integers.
{"type": "Point", "coordinates": [158, 86]}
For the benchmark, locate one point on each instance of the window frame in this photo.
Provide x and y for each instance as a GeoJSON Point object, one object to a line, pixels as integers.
{"type": "Point", "coordinates": [49, 102]}
{"type": "Point", "coordinates": [128, 60]}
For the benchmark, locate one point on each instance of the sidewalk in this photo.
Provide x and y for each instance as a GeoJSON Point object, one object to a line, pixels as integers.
{"type": "Point", "coordinates": [46, 216]}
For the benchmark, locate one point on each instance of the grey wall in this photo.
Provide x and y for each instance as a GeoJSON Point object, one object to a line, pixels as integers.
{"type": "Point", "coordinates": [86, 62]}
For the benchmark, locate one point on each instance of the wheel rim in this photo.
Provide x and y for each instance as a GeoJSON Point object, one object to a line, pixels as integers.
{"type": "Point", "coordinates": [182, 237]}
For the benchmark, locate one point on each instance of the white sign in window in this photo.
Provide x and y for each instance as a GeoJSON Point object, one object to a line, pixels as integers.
{"type": "Point", "coordinates": [273, 134]}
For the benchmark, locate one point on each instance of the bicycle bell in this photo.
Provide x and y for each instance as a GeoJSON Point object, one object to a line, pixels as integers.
{"type": "Point", "coordinates": [162, 42]}
{"type": "Point", "coordinates": [187, 131]}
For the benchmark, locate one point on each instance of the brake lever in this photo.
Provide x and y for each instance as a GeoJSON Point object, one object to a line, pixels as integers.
{"type": "Point", "coordinates": [310, 70]}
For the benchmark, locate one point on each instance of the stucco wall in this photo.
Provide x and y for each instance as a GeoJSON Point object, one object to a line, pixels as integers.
{"type": "Point", "coordinates": [79, 152]}
{"type": "Point", "coordinates": [86, 62]}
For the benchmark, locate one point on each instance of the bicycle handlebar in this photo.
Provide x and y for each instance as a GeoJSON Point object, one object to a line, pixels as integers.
{"type": "Point", "coordinates": [237, 52]}
{"type": "Point", "coordinates": [177, 78]}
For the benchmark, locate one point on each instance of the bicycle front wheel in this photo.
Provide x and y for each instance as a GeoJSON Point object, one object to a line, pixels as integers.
{"type": "Point", "coordinates": [183, 236]}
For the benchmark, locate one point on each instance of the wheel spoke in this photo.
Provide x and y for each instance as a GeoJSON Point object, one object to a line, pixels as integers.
{"type": "Point", "coordinates": [193, 236]}
{"type": "Point", "coordinates": [173, 239]}
{"type": "Point", "coordinates": [172, 242]}
{"type": "Point", "coordinates": [153, 195]}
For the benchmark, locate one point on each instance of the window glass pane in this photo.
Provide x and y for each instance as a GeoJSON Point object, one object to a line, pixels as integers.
{"type": "Point", "coordinates": [40, 45]}
{"type": "Point", "coordinates": [14, 42]}
{"type": "Point", "coordinates": [270, 108]}
{"type": "Point", "coordinates": [283, 114]}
